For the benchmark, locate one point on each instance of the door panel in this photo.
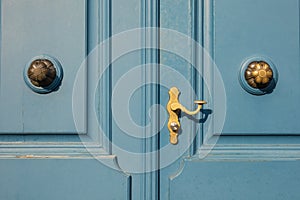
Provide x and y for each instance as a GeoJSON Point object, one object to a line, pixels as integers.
{"type": "Point", "coordinates": [33, 28]}
{"type": "Point", "coordinates": [255, 28]}
{"type": "Point", "coordinates": [236, 180]}
{"type": "Point", "coordinates": [61, 178]}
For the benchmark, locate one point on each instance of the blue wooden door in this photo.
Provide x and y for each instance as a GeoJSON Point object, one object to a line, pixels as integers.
{"type": "Point", "coordinates": [47, 127]}
{"type": "Point", "coordinates": [84, 86]}
{"type": "Point", "coordinates": [65, 131]}
{"type": "Point", "coordinates": [247, 142]}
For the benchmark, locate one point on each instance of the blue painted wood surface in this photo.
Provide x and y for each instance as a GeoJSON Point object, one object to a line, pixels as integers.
{"type": "Point", "coordinates": [240, 34]}
{"type": "Point", "coordinates": [29, 29]}
{"type": "Point", "coordinates": [60, 178]}
{"type": "Point", "coordinates": [236, 180]}
{"type": "Point", "coordinates": [50, 149]}
{"type": "Point", "coordinates": [260, 140]}
{"type": "Point", "coordinates": [258, 157]}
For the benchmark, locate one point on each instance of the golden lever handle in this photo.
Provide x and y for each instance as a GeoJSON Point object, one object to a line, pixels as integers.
{"type": "Point", "coordinates": [174, 108]}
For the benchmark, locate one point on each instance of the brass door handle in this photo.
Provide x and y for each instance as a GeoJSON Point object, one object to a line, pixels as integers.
{"type": "Point", "coordinates": [174, 108]}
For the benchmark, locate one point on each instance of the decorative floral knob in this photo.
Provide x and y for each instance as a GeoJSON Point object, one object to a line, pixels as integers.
{"type": "Point", "coordinates": [258, 74]}
{"type": "Point", "coordinates": [41, 72]}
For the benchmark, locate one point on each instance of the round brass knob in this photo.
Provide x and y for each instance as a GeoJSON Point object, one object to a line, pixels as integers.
{"type": "Point", "coordinates": [258, 74]}
{"type": "Point", "coordinates": [41, 72]}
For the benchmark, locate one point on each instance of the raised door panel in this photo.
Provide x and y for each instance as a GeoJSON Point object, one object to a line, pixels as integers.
{"type": "Point", "coordinates": [214, 180]}
{"type": "Point", "coordinates": [36, 28]}
{"type": "Point", "coordinates": [268, 30]}
{"type": "Point", "coordinates": [62, 179]}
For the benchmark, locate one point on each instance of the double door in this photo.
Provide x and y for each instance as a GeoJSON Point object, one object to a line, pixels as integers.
{"type": "Point", "coordinates": [85, 87]}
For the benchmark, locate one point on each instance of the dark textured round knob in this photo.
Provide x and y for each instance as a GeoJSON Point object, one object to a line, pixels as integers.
{"type": "Point", "coordinates": [41, 72]}
{"type": "Point", "coordinates": [258, 74]}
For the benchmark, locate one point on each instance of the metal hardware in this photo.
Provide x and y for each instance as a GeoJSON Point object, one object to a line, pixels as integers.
{"type": "Point", "coordinates": [43, 74]}
{"type": "Point", "coordinates": [259, 74]}
{"type": "Point", "coordinates": [174, 108]}
{"type": "Point", "coordinates": [174, 126]}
